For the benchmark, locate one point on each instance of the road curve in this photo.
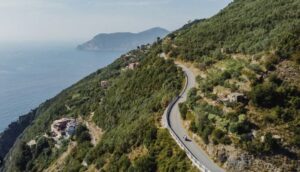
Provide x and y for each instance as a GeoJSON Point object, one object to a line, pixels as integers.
{"type": "Point", "coordinates": [174, 123]}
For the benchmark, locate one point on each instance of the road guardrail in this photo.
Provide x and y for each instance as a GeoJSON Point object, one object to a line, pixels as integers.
{"type": "Point", "coordinates": [189, 153]}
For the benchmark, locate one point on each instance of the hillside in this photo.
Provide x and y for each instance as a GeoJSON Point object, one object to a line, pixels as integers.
{"type": "Point", "coordinates": [244, 112]}
{"type": "Point", "coordinates": [129, 107]}
{"type": "Point", "coordinates": [123, 41]}
{"type": "Point", "coordinates": [246, 107]}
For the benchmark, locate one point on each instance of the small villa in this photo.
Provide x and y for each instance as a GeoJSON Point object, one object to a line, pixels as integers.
{"type": "Point", "coordinates": [236, 97]}
{"type": "Point", "coordinates": [132, 66]}
{"type": "Point", "coordinates": [104, 84]}
{"type": "Point", "coordinates": [233, 98]}
{"type": "Point", "coordinates": [63, 128]}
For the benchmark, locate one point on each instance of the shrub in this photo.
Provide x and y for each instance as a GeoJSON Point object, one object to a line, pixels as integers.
{"type": "Point", "coordinates": [233, 127]}
{"type": "Point", "coordinates": [264, 95]}
{"type": "Point", "coordinates": [273, 78]}
{"type": "Point", "coordinates": [193, 126]}
{"type": "Point", "coordinates": [145, 164]}
{"type": "Point", "coordinates": [82, 134]}
{"type": "Point", "coordinates": [295, 102]}
{"type": "Point", "coordinates": [296, 140]}
{"type": "Point", "coordinates": [225, 140]}
{"type": "Point", "coordinates": [270, 118]}
{"type": "Point", "coordinates": [256, 68]}
{"type": "Point", "coordinates": [270, 61]}
{"type": "Point", "coordinates": [206, 133]}
{"type": "Point", "coordinates": [24, 157]}
{"type": "Point", "coordinates": [269, 144]}
{"type": "Point", "coordinates": [217, 135]}
{"type": "Point", "coordinates": [183, 110]}
{"type": "Point", "coordinates": [212, 96]}
{"type": "Point", "coordinates": [41, 144]}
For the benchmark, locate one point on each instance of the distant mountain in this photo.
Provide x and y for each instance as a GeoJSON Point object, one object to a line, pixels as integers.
{"type": "Point", "coordinates": [244, 112]}
{"type": "Point", "coordinates": [122, 40]}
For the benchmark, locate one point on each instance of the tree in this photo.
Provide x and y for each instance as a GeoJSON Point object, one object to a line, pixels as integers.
{"type": "Point", "coordinates": [41, 145]}
{"type": "Point", "coordinates": [217, 135]}
{"type": "Point", "coordinates": [269, 144]}
{"type": "Point", "coordinates": [264, 95]}
{"type": "Point", "coordinates": [145, 164]}
{"type": "Point", "coordinates": [24, 157]}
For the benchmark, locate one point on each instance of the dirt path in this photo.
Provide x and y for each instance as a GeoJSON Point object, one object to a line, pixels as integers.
{"type": "Point", "coordinates": [59, 163]}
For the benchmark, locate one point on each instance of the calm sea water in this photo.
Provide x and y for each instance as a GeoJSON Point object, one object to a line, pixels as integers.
{"type": "Point", "coordinates": [30, 74]}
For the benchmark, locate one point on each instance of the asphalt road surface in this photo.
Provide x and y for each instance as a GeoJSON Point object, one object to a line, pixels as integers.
{"type": "Point", "coordinates": [177, 126]}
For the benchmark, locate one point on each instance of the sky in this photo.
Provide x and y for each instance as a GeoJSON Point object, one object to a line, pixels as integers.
{"type": "Point", "coordinates": [80, 20]}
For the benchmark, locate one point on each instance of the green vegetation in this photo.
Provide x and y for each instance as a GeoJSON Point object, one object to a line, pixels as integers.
{"type": "Point", "coordinates": [183, 110]}
{"type": "Point", "coordinates": [245, 49]}
{"type": "Point", "coordinates": [128, 111]}
{"type": "Point", "coordinates": [247, 97]}
{"type": "Point", "coordinates": [245, 26]}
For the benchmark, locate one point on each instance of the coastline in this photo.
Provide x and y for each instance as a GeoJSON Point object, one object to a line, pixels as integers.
{"type": "Point", "coordinates": [14, 130]}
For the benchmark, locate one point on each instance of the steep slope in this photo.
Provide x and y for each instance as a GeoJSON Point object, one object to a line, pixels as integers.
{"type": "Point", "coordinates": [245, 26]}
{"type": "Point", "coordinates": [123, 41]}
{"type": "Point", "coordinates": [245, 110]}
{"type": "Point", "coordinates": [129, 107]}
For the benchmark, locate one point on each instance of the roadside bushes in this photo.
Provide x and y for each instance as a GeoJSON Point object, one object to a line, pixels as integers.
{"type": "Point", "coordinates": [192, 97]}
{"type": "Point", "coordinates": [203, 127]}
{"type": "Point", "coordinates": [183, 110]}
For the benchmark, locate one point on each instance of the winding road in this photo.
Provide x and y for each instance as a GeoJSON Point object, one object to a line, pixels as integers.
{"type": "Point", "coordinates": [172, 120]}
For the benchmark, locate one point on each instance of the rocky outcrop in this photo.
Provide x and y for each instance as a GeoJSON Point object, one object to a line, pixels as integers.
{"type": "Point", "coordinates": [10, 135]}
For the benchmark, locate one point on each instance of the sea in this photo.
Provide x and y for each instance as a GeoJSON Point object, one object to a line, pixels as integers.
{"type": "Point", "coordinates": [31, 73]}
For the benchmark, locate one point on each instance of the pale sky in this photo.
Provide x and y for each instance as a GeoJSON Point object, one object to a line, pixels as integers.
{"type": "Point", "coordinates": [80, 20]}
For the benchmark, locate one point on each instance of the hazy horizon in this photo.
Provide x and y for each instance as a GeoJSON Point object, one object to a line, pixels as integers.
{"type": "Point", "coordinates": [78, 20]}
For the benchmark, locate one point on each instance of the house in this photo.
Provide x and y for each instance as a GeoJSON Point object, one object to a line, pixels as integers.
{"type": "Point", "coordinates": [104, 84]}
{"type": "Point", "coordinates": [132, 66]}
{"type": "Point", "coordinates": [63, 128]}
{"type": "Point", "coordinates": [233, 98]}
{"type": "Point", "coordinates": [236, 97]}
